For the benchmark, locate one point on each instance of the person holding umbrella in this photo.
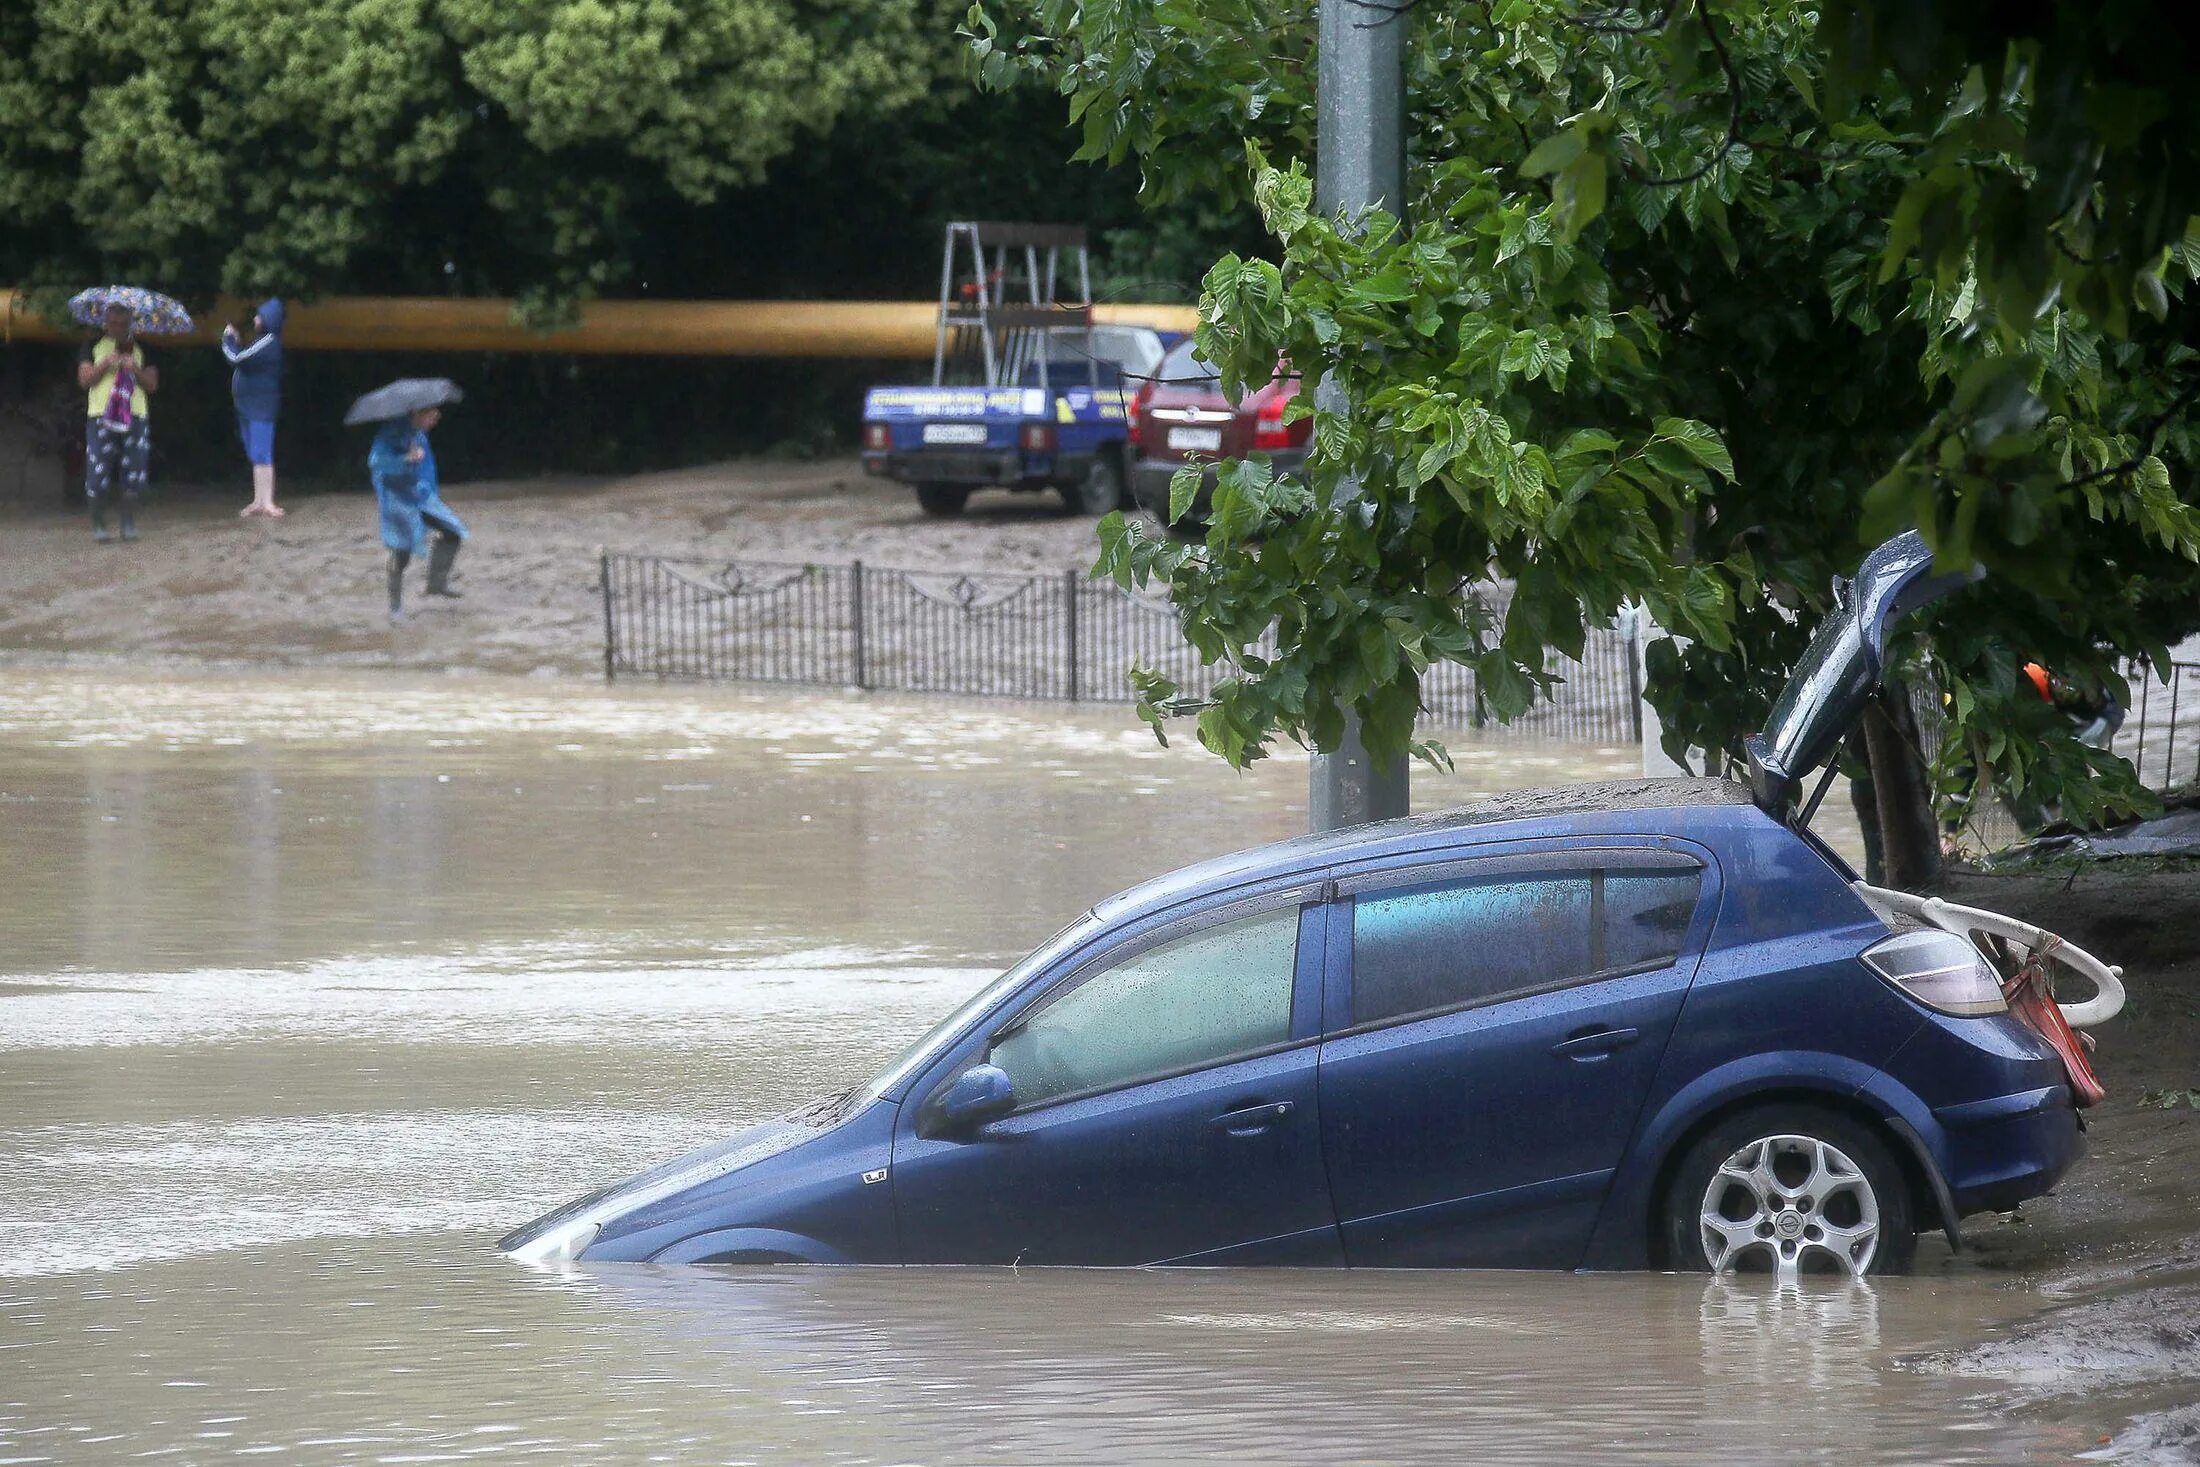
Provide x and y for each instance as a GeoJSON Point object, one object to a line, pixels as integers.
{"type": "Point", "coordinates": [406, 486]}
{"type": "Point", "coordinates": [118, 383]}
{"type": "Point", "coordinates": [256, 385]}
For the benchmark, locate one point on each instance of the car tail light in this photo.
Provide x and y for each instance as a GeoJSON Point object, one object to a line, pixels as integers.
{"type": "Point", "coordinates": [1940, 970]}
{"type": "Point", "coordinates": [1038, 438]}
{"type": "Point", "coordinates": [1269, 428]}
{"type": "Point", "coordinates": [1139, 401]}
{"type": "Point", "coordinates": [877, 436]}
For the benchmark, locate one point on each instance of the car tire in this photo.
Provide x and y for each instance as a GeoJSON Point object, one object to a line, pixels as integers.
{"type": "Point", "coordinates": [1789, 1189]}
{"type": "Point", "coordinates": [1100, 490]}
{"type": "Point", "coordinates": [942, 501]}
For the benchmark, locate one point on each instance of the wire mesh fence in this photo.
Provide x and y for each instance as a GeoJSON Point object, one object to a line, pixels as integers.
{"type": "Point", "coordinates": [1046, 636]}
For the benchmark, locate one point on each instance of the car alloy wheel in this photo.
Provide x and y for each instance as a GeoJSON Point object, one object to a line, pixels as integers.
{"type": "Point", "coordinates": [1790, 1204]}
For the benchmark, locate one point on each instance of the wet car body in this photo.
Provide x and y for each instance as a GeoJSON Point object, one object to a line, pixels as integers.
{"type": "Point", "coordinates": [1493, 1036]}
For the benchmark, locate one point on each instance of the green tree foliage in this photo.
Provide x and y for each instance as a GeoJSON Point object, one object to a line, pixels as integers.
{"type": "Point", "coordinates": [725, 149]}
{"type": "Point", "coordinates": [1657, 332]}
{"type": "Point", "coordinates": [256, 145]}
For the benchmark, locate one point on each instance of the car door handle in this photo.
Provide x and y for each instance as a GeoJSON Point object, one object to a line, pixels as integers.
{"type": "Point", "coordinates": [1253, 1119]}
{"type": "Point", "coordinates": [1587, 1045]}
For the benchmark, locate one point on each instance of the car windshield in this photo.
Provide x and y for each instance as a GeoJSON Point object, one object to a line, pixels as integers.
{"type": "Point", "coordinates": [897, 1074]}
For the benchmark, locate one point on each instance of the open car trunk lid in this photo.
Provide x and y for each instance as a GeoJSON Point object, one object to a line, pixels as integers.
{"type": "Point", "coordinates": [1843, 666]}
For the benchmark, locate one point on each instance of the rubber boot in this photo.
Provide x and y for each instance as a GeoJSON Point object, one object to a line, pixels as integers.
{"type": "Point", "coordinates": [129, 517]}
{"type": "Point", "coordinates": [440, 556]}
{"type": "Point", "coordinates": [100, 532]}
{"type": "Point", "coordinates": [398, 559]}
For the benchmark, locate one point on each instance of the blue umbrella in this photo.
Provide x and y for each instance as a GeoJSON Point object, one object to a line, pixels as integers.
{"type": "Point", "coordinates": [153, 314]}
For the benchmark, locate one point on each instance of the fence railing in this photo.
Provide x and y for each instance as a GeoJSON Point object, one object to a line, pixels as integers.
{"type": "Point", "coordinates": [1048, 636]}
{"type": "Point", "coordinates": [1062, 636]}
{"type": "Point", "coordinates": [2161, 733]}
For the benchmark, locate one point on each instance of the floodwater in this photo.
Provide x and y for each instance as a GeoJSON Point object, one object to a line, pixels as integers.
{"type": "Point", "coordinates": [316, 984]}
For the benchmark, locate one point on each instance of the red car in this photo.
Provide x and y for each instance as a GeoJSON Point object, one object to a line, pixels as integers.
{"type": "Point", "coordinates": [1181, 416]}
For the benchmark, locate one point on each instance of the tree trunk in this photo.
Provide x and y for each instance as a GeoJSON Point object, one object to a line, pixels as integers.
{"type": "Point", "coordinates": [1909, 839]}
{"type": "Point", "coordinates": [1864, 800]}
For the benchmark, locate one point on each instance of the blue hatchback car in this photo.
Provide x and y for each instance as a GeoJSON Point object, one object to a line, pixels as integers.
{"type": "Point", "coordinates": [1655, 1023]}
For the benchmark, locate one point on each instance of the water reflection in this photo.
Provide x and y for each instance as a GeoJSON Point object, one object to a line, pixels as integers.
{"type": "Point", "coordinates": [425, 1348]}
{"type": "Point", "coordinates": [1814, 1342]}
{"type": "Point", "coordinates": [1261, 1366]}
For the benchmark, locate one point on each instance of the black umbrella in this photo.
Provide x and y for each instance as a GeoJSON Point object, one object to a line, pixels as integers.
{"type": "Point", "coordinates": [402, 398]}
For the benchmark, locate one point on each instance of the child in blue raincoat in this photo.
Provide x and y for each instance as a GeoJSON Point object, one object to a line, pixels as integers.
{"type": "Point", "coordinates": [414, 516]}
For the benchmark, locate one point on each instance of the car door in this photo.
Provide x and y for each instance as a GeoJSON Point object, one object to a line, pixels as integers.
{"type": "Point", "coordinates": [1166, 1110]}
{"type": "Point", "coordinates": [1495, 1026]}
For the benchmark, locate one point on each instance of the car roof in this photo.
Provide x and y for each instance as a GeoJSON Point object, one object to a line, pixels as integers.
{"type": "Point", "coordinates": [1435, 830]}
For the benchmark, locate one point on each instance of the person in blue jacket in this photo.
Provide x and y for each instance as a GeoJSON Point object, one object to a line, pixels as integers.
{"type": "Point", "coordinates": [414, 516]}
{"type": "Point", "coordinates": [257, 387]}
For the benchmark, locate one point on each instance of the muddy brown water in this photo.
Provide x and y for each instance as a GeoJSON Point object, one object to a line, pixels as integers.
{"type": "Point", "coordinates": [316, 983]}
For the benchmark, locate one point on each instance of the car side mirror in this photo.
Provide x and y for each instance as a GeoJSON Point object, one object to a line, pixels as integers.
{"type": "Point", "coordinates": [979, 1094]}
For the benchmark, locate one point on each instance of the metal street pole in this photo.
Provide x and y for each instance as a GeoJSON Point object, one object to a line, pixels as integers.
{"type": "Point", "coordinates": [1359, 165]}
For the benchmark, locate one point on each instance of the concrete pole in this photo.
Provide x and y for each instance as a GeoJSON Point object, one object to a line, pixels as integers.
{"type": "Point", "coordinates": [1359, 165]}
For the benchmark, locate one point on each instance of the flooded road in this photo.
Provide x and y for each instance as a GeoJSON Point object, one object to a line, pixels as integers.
{"type": "Point", "coordinates": [314, 985]}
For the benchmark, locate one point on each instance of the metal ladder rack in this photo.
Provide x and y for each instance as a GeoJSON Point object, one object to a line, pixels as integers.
{"type": "Point", "coordinates": [1005, 295]}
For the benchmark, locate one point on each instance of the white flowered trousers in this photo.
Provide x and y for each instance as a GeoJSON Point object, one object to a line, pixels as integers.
{"type": "Point", "coordinates": [116, 463]}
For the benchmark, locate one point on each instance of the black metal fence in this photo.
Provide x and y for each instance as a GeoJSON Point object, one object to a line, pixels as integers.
{"type": "Point", "coordinates": [1050, 636]}
{"type": "Point", "coordinates": [1061, 636]}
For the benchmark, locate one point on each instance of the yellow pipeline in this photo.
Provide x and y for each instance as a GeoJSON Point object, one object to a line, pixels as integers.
{"type": "Point", "coordinates": [606, 328]}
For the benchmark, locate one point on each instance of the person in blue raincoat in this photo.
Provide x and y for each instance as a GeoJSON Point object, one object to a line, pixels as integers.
{"type": "Point", "coordinates": [257, 388]}
{"type": "Point", "coordinates": [414, 516]}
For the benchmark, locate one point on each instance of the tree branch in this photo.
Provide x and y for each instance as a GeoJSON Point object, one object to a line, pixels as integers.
{"type": "Point", "coordinates": [2150, 438]}
{"type": "Point", "coordinates": [1608, 23]}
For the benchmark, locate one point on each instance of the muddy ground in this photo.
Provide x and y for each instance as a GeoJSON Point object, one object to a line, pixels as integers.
{"type": "Point", "coordinates": [2118, 1239]}
{"type": "Point", "coordinates": [308, 589]}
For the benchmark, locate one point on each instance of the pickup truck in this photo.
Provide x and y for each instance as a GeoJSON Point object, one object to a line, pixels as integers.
{"type": "Point", "coordinates": [1061, 422]}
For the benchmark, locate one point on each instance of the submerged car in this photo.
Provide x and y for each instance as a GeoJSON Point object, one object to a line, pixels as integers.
{"type": "Point", "coordinates": [1653, 1023]}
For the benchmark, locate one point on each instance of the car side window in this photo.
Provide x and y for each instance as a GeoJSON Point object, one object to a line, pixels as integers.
{"type": "Point", "coordinates": [1646, 915]}
{"type": "Point", "coordinates": [1448, 945]}
{"type": "Point", "coordinates": [1217, 993]}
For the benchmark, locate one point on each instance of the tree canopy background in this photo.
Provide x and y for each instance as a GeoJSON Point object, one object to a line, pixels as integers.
{"type": "Point", "coordinates": [544, 150]}
{"type": "Point", "coordinates": [1691, 304]}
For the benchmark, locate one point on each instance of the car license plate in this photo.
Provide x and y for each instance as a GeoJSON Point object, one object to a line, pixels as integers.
{"type": "Point", "coordinates": [954, 432]}
{"type": "Point", "coordinates": [1210, 438]}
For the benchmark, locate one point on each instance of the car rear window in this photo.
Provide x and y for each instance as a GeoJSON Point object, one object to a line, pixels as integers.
{"type": "Point", "coordinates": [1185, 366]}
{"type": "Point", "coordinates": [1453, 944]}
{"type": "Point", "coordinates": [1073, 372]}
